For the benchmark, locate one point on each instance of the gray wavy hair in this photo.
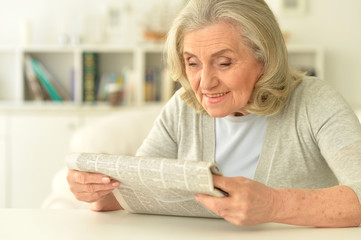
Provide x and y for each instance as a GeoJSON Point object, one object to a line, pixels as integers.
{"type": "Point", "coordinates": [259, 31]}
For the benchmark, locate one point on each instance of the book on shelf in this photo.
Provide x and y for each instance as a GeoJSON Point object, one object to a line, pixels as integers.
{"type": "Point", "coordinates": [54, 95]}
{"type": "Point", "coordinates": [154, 185]}
{"type": "Point", "coordinates": [32, 81]}
{"type": "Point", "coordinates": [90, 76]}
{"type": "Point", "coordinates": [153, 84]}
{"type": "Point", "coordinates": [56, 83]}
{"type": "Point", "coordinates": [72, 84]}
{"type": "Point", "coordinates": [149, 86]}
{"type": "Point", "coordinates": [158, 85]}
{"type": "Point", "coordinates": [129, 87]}
{"type": "Point", "coordinates": [108, 79]}
{"type": "Point", "coordinates": [116, 83]}
{"type": "Point", "coordinates": [52, 88]}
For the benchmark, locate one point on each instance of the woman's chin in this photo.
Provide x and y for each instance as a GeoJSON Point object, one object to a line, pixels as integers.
{"type": "Point", "coordinates": [222, 112]}
{"type": "Point", "coordinates": [218, 113]}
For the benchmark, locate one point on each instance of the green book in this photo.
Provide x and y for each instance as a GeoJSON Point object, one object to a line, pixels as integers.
{"type": "Point", "coordinates": [90, 76]}
{"type": "Point", "coordinates": [54, 95]}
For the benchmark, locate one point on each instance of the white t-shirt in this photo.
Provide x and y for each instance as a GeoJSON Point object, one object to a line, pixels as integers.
{"type": "Point", "coordinates": [239, 142]}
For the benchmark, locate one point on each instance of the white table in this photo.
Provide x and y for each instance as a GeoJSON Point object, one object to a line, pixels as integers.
{"type": "Point", "coordinates": [84, 224]}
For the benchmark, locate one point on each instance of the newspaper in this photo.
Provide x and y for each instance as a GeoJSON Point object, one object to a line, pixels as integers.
{"type": "Point", "coordinates": [154, 185]}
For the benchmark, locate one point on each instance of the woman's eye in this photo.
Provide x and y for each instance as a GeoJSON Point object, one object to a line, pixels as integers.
{"type": "Point", "coordinates": [193, 64]}
{"type": "Point", "coordinates": [225, 64]}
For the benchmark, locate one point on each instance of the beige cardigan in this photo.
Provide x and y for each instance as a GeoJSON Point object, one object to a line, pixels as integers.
{"type": "Point", "coordinates": [314, 142]}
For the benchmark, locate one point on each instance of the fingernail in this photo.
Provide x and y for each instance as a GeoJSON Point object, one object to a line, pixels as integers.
{"type": "Point", "coordinates": [196, 197]}
{"type": "Point", "coordinates": [116, 184]}
{"type": "Point", "coordinates": [105, 180]}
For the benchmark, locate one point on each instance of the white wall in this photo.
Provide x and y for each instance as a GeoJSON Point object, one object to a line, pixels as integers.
{"type": "Point", "coordinates": [49, 18]}
{"type": "Point", "coordinates": [334, 24]}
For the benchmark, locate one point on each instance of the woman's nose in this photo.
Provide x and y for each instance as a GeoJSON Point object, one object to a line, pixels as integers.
{"type": "Point", "coordinates": [209, 79]}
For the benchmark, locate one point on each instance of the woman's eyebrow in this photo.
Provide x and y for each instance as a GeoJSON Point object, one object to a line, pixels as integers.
{"type": "Point", "coordinates": [226, 50]}
{"type": "Point", "coordinates": [220, 52]}
{"type": "Point", "coordinates": [187, 54]}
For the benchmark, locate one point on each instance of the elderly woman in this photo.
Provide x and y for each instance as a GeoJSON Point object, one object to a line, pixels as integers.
{"type": "Point", "coordinates": [289, 145]}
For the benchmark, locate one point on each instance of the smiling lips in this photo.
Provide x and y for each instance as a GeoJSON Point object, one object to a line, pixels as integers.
{"type": "Point", "coordinates": [216, 97]}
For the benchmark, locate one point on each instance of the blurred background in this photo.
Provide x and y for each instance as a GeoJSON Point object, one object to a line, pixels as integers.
{"type": "Point", "coordinates": [332, 24]}
{"type": "Point", "coordinates": [65, 64]}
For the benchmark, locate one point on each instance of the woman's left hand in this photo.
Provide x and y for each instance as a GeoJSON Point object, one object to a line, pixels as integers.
{"type": "Point", "coordinates": [248, 203]}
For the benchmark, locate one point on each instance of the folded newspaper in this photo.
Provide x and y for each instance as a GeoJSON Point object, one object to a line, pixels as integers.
{"type": "Point", "coordinates": [154, 185]}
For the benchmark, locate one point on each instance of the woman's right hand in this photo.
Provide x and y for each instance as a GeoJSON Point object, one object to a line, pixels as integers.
{"type": "Point", "coordinates": [94, 188]}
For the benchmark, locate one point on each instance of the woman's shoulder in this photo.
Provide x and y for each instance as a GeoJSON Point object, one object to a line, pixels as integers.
{"type": "Point", "coordinates": [318, 100]}
{"type": "Point", "coordinates": [176, 105]}
{"type": "Point", "coordinates": [312, 86]}
{"type": "Point", "coordinates": [315, 91]}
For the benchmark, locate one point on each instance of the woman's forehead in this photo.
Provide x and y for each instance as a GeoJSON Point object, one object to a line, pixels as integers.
{"type": "Point", "coordinates": [214, 38]}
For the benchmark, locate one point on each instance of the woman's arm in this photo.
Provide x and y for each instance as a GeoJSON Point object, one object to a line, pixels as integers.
{"type": "Point", "coordinates": [329, 207]}
{"type": "Point", "coordinates": [250, 202]}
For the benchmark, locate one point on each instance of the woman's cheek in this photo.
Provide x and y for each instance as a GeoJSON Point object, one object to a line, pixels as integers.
{"type": "Point", "coordinates": [192, 82]}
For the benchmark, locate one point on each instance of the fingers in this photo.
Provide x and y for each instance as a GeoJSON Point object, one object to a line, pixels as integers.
{"type": "Point", "coordinates": [218, 205]}
{"type": "Point", "coordinates": [90, 187]}
{"type": "Point", "coordinates": [92, 197]}
{"type": "Point", "coordinates": [224, 208]}
{"type": "Point", "coordinates": [228, 184]}
{"type": "Point", "coordinates": [248, 203]}
{"type": "Point", "coordinates": [222, 183]}
{"type": "Point", "coordinates": [86, 177]}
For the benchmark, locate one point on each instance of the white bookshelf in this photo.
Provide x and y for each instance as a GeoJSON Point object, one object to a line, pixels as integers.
{"type": "Point", "coordinates": [62, 61]}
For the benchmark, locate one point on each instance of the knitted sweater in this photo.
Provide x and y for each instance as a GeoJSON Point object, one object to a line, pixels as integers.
{"type": "Point", "coordinates": [313, 142]}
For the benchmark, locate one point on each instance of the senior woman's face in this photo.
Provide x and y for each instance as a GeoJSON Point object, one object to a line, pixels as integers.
{"type": "Point", "coordinates": [221, 70]}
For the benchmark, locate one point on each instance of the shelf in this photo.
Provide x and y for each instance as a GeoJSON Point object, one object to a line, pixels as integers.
{"type": "Point", "coordinates": [142, 65]}
{"type": "Point", "coordinates": [69, 107]}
